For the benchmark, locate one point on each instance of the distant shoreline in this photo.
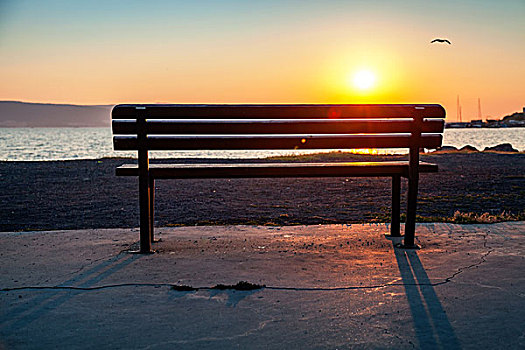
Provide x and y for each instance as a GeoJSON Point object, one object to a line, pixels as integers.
{"type": "Point", "coordinates": [478, 126]}
{"type": "Point", "coordinates": [15, 114]}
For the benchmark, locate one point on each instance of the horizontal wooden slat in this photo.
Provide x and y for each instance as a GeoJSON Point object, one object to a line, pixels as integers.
{"type": "Point", "coordinates": [275, 142]}
{"type": "Point", "coordinates": [338, 126]}
{"type": "Point", "coordinates": [336, 111]}
{"type": "Point", "coordinates": [183, 171]}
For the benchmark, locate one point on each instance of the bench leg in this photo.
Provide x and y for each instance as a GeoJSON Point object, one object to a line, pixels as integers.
{"type": "Point", "coordinates": [396, 199]}
{"type": "Point", "coordinates": [151, 207]}
{"type": "Point", "coordinates": [145, 221]}
{"type": "Point", "coordinates": [410, 225]}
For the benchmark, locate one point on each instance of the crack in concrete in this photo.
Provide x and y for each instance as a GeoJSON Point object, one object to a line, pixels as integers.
{"type": "Point", "coordinates": [305, 289]}
{"type": "Point", "coordinates": [459, 271]}
{"type": "Point", "coordinates": [483, 259]}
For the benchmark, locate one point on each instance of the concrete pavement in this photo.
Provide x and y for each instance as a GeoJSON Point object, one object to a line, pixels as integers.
{"type": "Point", "coordinates": [326, 287]}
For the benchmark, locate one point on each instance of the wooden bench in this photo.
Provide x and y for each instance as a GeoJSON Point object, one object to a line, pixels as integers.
{"type": "Point", "coordinates": [145, 128]}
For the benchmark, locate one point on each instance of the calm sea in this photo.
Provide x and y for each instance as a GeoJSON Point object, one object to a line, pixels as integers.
{"type": "Point", "coordinates": [25, 144]}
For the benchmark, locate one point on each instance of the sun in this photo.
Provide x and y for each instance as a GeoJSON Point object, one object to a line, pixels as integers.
{"type": "Point", "coordinates": [364, 79]}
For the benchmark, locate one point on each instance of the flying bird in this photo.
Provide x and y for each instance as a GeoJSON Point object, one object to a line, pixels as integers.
{"type": "Point", "coordinates": [441, 41]}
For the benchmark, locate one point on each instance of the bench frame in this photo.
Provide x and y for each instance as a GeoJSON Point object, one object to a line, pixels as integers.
{"type": "Point", "coordinates": [418, 113]}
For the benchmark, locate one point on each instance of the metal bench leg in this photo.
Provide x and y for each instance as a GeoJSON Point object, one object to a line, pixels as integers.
{"type": "Point", "coordinates": [410, 225]}
{"type": "Point", "coordinates": [145, 199]}
{"type": "Point", "coordinates": [413, 182]}
{"type": "Point", "coordinates": [151, 207]}
{"type": "Point", "coordinates": [396, 199]}
{"type": "Point", "coordinates": [145, 221]}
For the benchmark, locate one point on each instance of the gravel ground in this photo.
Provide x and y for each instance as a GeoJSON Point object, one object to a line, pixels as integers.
{"type": "Point", "coordinates": [87, 194]}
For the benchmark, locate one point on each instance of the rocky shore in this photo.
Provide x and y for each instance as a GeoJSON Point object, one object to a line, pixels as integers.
{"type": "Point", "coordinates": [86, 194]}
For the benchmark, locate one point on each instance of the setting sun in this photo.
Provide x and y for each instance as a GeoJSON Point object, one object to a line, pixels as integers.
{"type": "Point", "coordinates": [364, 79]}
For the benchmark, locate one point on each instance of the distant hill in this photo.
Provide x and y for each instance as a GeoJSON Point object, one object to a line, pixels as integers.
{"type": "Point", "coordinates": [23, 114]}
{"type": "Point", "coordinates": [518, 116]}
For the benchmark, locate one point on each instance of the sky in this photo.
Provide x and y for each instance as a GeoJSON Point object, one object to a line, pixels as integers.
{"type": "Point", "coordinates": [108, 52]}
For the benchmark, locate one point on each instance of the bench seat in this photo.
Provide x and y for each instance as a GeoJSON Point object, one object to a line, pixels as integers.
{"type": "Point", "coordinates": [255, 170]}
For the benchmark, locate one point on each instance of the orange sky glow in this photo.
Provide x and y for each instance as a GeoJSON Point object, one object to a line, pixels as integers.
{"type": "Point", "coordinates": [265, 52]}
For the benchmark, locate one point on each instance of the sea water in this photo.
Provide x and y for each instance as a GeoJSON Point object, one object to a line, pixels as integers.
{"type": "Point", "coordinates": [31, 144]}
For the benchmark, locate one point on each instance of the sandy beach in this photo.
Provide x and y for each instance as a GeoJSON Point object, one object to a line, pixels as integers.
{"type": "Point", "coordinates": [86, 194]}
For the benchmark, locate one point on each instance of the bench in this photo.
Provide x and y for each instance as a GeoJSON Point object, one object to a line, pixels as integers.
{"type": "Point", "coordinates": [146, 128]}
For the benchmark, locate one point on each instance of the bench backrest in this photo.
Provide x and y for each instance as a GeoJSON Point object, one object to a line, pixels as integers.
{"type": "Point", "coordinates": [231, 127]}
